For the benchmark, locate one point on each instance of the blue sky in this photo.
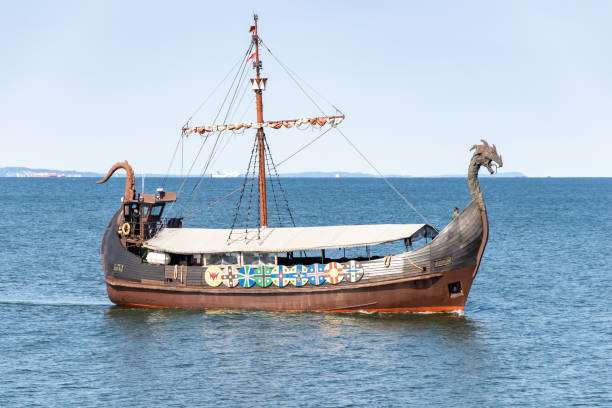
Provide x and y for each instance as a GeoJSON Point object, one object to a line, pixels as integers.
{"type": "Point", "coordinates": [86, 84]}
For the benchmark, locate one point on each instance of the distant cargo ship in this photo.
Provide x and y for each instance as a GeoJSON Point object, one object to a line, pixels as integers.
{"type": "Point", "coordinates": [44, 175]}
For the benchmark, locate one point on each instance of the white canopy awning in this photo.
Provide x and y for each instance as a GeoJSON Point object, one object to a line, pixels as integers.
{"type": "Point", "coordinates": [274, 240]}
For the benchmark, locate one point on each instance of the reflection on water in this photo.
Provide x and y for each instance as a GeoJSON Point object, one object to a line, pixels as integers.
{"type": "Point", "coordinates": [323, 325]}
{"type": "Point", "coordinates": [140, 315]}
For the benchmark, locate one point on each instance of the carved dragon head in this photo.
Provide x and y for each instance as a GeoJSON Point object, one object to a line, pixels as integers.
{"type": "Point", "coordinates": [486, 155]}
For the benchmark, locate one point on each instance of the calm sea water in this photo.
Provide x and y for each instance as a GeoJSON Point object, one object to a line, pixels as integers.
{"type": "Point", "coordinates": [536, 331]}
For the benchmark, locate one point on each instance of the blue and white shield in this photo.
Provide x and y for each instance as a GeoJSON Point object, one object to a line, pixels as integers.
{"type": "Point", "coordinates": [316, 274]}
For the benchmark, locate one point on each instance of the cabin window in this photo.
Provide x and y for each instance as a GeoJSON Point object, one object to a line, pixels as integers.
{"type": "Point", "coordinates": [146, 210]}
{"type": "Point", "coordinates": [221, 259]}
{"type": "Point", "coordinates": [258, 258]}
{"type": "Point", "coordinates": [156, 211]}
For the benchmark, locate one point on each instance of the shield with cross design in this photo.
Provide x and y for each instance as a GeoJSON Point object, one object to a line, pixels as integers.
{"type": "Point", "coordinates": [353, 271]}
{"type": "Point", "coordinates": [334, 273]}
{"type": "Point", "coordinates": [296, 275]}
{"type": "Point", "coordinates": [316, 274]}
{"type": "Point", "coordinates": [229, 276]}
{"type": "Point", "coordinates": [245, 276]}
{"type": "Point", "coordinates": [279, 276]}
{"type": "Point", "coordinates": [263, 275]}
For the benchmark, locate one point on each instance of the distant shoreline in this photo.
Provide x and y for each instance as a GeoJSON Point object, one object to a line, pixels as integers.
{"type": "Point", "coordinates": [26, 172]}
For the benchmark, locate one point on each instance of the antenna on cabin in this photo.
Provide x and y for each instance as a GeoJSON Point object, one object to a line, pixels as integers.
{"type": "Point", "coordinates": [143, 177]}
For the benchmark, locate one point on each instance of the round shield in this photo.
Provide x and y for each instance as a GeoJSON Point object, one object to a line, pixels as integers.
{"type": "Point", "coordinates": [212, 275]}
{"type": "Point", "coordinates": [262, 275]}
{"type": "Point", "coordinates": [316, 274]}
{"type": "Point", "coordinates": [230, 276]}
{"type": "Point", "coordinates": [245, 276]}
{"type": "Point", "coordinates": [334, 273]}
{"type": "Point", "coordinates": [279, 276]}
{"type": "Point", "coordinates": [353, 271]}
{"type": "Point", "coordinates": [296, 275]}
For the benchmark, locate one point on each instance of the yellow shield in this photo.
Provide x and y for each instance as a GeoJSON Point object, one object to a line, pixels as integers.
{"type": "Point", "coordinates": [212, 276]}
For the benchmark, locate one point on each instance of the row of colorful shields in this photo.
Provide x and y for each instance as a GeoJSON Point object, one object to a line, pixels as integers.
{"type": "Point", "coordinates": [282, 276]}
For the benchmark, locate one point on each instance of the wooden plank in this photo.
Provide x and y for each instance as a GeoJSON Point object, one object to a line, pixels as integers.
{"type": "Point", "coordinates": [151, 281]}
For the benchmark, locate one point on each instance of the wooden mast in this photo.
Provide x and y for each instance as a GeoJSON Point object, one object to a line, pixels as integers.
{"type": "Point", "coordinates": [258, 85]}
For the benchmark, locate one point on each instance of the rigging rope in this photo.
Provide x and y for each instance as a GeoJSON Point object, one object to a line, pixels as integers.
{"type": "Point", "coordinates": [214, 155]}
{"type": "Point", "coordinates": [303, 147]}
{"type": "Point", "coordinates": [178, 142]}
{"type": "Point", "coordinates": [279, 185]}
{"type": "Point", "coordinates": [193, 114]}
{"type": "Point", "coordinates": [213, 91]}
{"type": "Point", "coordinates": [242, 73]}
{"type": "Point", "coordinates": [348, 140]}
{"type": "Point", "coordinates": [292, 73]}
{"type": "Point", "coordinates": [242, 189]}
{"type": "Point", "coordinates": [238, 73]}
{"type": "Point", "coordinates": [185, 178]}
{"type": "Point", "coordinates": [239, 104]}
{"type": "Point", "coordinates": [231, 193]}
{"type": "Point", "coordinates": [267, 165]}
{"type": "Point", "coordinates": [212, 165]}
{"type": "Point", "coordinates": [246, 228]}
{"type": "Point", "coordinates": [292, 77]}
{"type": "Point", "coordinates": [386, 180]}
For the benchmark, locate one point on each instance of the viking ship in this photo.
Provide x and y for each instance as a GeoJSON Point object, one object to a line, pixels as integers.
{"type": "Point", "coordinates": [153, 261]}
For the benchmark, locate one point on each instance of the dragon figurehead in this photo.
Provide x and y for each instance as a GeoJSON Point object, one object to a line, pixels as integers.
{"type": "Point", "coordinates": [484, 155]}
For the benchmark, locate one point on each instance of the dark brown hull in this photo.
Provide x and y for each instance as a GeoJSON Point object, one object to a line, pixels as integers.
{"type": "Point", "coordinates": [453, 256]}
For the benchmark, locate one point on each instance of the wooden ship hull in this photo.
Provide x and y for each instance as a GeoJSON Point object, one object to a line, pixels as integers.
{"type": "Point", "coordinates": [436, 277]}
